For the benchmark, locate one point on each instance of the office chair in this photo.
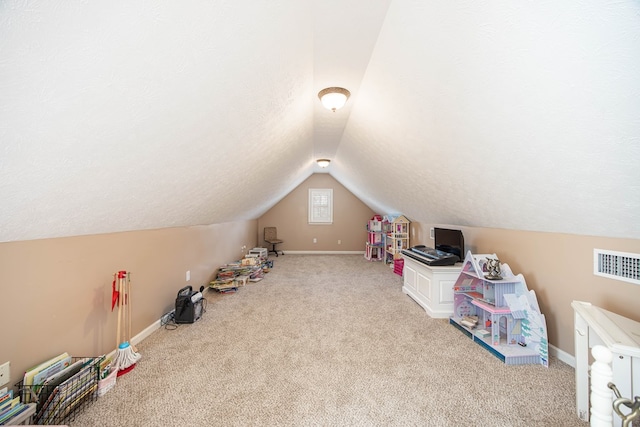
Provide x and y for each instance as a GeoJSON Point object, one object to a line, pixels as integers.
{"type": "Point", "coordinates": [271, 237]}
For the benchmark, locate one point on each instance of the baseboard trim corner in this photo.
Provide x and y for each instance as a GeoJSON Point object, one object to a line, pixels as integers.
{"type": "Point", "coordinates": [562, 356]}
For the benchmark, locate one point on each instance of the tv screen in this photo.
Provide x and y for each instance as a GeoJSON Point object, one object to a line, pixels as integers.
{"type": "Point", "coordinates": [451, 241]}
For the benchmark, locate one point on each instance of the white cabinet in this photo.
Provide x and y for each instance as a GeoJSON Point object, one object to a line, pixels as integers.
{"type": "Point", "coordinates": [431, 287]}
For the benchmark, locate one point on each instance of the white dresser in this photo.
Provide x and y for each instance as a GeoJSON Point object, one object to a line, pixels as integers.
{"type": "Point", "coordinates": [431, 287]}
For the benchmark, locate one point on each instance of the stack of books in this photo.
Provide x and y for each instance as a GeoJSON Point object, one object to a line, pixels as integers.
{"type": "Point", "coordinates": [236, 274]}
{"type": "Point", "coordinates": [12, 411]}
{"type": "Point", "coordinates": [224, 286]}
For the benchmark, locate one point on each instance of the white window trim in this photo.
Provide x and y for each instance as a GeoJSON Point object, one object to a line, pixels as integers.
{"type": "Point", "coordinates": [314, 216]}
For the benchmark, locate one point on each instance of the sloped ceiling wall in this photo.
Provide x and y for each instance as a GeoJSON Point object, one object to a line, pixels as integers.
{"type": "Point", "coordinates": [139, 115]}
{"type": "Point", "coordinates": [521, 115]}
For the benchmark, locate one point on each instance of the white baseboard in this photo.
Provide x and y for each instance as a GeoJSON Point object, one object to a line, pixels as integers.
{"type": "Point", "coordinates": [562, 356]}
{"type": "Point", "coordinates": [324, 253]}
{"type": "Point", "coordinates": [144, 333]}
{"type": "Point", "coordinates": [147, 331]}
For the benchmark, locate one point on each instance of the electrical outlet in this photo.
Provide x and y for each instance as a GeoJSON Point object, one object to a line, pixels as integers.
{"type": "Point", "coordinates": [188, 275]}
{"type": "Point", "coordinates": [315, 240]}
{"type": "Point", "coordinates": [431, 233]}
{"type": "Point", "coordinates": [5, 373]}
{"type": "Point", "coordinates": [339, 241]}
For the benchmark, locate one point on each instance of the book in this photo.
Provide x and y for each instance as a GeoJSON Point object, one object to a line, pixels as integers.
{"type": "Point", "coordinates": [10, 409]}
{"type": "Point", "coordinates": [15, 411]}
{"type": "Point", "coordinates": [10, 404]}
{"type": "Point", "coordinates": [43, 408]}
{"type": "Point", "coordinates": [56, 379]}
{"type": "Point", "coordinates": [5, 397]}
{"type": "Point", "coordinates": [73, 401]}
{"type": "Point", "coordinates": [50, 370]}
{"type": "Point", "coordinates": [29, 375]}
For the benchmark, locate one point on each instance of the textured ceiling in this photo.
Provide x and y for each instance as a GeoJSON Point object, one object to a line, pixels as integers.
{"type": "Point", "coordinates": [522, 115]}
{"type": "Point", "coordinates": [118, 116]}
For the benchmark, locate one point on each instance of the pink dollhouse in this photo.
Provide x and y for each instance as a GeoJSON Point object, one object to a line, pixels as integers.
{"type": "Point", "coordinates": [374, 250]}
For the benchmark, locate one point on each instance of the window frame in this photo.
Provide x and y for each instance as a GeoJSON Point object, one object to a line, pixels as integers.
{"type": "Point", "coordinates": [314, 217]}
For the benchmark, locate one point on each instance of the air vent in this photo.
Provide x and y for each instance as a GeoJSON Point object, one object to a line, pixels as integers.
{"type": "Point", "coordinates": [617, 265]}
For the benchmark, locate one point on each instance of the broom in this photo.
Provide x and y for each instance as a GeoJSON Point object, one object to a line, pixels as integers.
{"type": "Point", "coordinates": [129, 305]}
{"type": "Point", "coordinates": [126, 358]}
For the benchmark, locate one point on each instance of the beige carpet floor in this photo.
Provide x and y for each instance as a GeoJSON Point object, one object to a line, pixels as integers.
{"type": "Point", "coordinates": [328, 340]}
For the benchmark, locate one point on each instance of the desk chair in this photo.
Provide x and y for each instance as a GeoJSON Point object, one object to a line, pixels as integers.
{"type": "Point", "coordinates": [271, 237]}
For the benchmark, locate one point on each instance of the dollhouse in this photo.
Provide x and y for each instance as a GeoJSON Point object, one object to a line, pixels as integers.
{"type": "Point", "coordinates": [374, 250]}
{"type": "Point", "coordinates": [396, 237]}
{"type": "Point", "coordinates": [493, 307]}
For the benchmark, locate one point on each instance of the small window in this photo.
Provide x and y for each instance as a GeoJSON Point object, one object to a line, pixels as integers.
{"type": "Point", "coordinates": [320, 206]}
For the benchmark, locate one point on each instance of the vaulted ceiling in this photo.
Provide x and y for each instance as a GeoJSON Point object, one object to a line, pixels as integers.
{"type": "Point", "coordinates": [118, 116]}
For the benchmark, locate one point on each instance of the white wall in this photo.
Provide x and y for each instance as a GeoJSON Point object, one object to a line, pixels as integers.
{"type": "Point", "coordinates": [517, 115]}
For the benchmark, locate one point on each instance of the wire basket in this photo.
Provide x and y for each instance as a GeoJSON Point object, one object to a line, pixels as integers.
{"type": "Point", "coordinates": [65, 394]}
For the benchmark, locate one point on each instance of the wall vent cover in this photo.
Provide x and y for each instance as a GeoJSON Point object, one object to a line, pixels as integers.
{"type": "Point", "coordinates": [617, 265]}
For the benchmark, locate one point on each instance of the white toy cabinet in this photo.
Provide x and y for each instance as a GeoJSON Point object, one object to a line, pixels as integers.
{"type": "Point", "coordinates": [431, 287]}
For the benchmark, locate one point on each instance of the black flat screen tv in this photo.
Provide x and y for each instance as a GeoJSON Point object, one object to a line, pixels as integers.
{"type": "Point", "coordinates": [451, 241]}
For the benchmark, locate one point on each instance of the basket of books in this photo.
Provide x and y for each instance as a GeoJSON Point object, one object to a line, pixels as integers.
{"type": "Point", "coordinates": [61, 387]}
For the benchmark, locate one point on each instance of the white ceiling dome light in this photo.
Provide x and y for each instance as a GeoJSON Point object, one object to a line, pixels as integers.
{"type": "Point", "coordinates": [323, 163]}
{"type": "Point", "coordinates": [334, 98]}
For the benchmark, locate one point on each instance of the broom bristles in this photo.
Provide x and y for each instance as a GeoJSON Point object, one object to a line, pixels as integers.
{"type": "Point", "coordinates": [125, 356]}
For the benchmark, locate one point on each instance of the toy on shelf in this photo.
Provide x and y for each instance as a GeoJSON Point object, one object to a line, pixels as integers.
{"type": "Point", "coordinates": [493, 269]}
{"type": "Point", "coordinates": [488, 292]}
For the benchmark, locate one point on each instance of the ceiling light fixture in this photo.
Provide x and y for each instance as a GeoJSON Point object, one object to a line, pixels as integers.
{"type": "Point", "coordinates": [333, 98]}
{"type": "Point", "coordinates": [323, 163]}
